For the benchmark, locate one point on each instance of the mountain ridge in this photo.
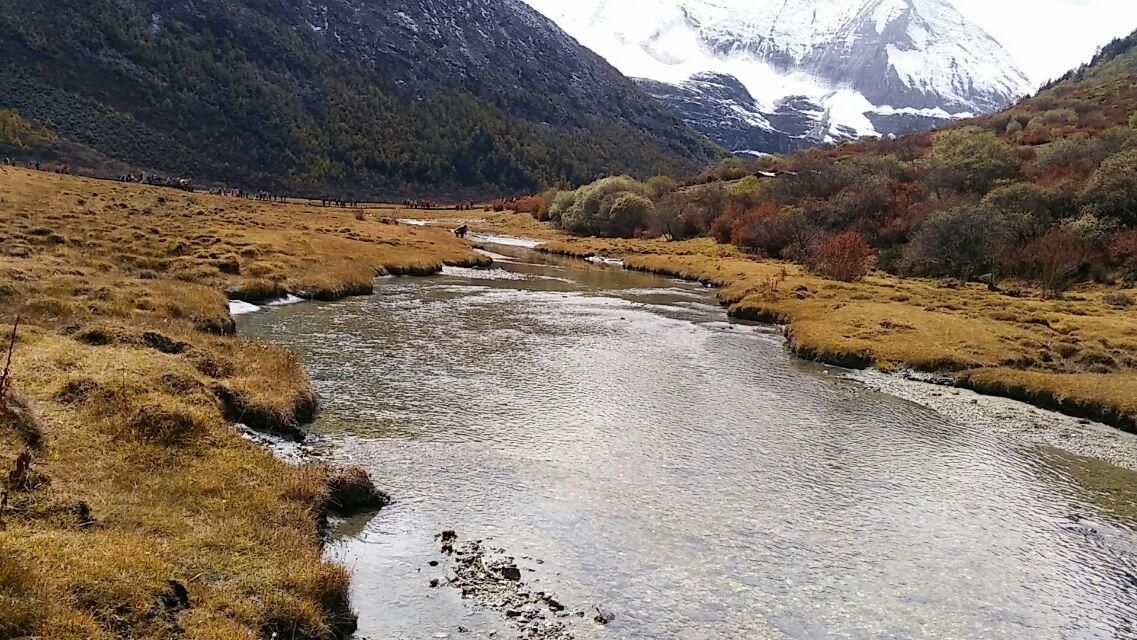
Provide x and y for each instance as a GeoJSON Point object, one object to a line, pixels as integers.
{"type": "Point", "coordinates": [335, 96]}
{"type": "Point", "coordinates": [862, 67]}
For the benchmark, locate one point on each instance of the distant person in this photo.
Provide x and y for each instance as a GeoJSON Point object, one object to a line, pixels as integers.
{"type": "Point", "coordinates": [462, 231]}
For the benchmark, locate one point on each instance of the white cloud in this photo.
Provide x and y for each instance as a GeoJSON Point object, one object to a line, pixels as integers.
{"type": "Point", "coordinates": [1049, 37]}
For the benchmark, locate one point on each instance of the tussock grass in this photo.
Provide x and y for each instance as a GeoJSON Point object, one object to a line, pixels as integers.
{"type": "Point", "coordinates": [18, 611]}
{"type": "Point", "coordinates": [125, 380]}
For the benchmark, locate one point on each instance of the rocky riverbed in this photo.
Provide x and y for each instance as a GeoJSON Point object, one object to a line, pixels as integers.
{"type": "Point", "coordinates": [493, 580]}
{"type": "Point", "coordinates": [1009, 417]}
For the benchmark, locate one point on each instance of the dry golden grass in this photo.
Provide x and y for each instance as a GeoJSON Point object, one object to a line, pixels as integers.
{"type": "Point", "coordinates": [1077, 354]}
{"type": "Point", "coordinates": [502, 223]}
{"type": "Point", "coordinates": [126, 359]}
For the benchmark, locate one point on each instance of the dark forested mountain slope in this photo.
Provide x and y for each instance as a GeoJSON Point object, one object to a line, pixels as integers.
{"type": "Point", "coordinates": [380, 97]}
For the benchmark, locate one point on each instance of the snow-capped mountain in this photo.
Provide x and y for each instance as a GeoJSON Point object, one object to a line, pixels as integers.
{"type": "Point", "coordinates": [776, 75]}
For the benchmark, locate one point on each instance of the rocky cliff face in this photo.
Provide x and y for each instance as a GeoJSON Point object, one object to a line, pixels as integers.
{"type": "Point", "coordinates": [800, 72]}
{"type": "Point", "coordinates": [388, 96]}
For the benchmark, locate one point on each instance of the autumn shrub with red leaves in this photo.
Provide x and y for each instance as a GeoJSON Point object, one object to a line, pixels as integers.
{"type": "Point", "coordinates": [530, 205]}
{"type": "Point", "coordinates": [1056, 258]}
{"type": "Point", "coordinates": [723, 227]}
{"type": "Point", "coordinates": [1123, 252]}
{"type": "Point", "coordinates": [844, 256]}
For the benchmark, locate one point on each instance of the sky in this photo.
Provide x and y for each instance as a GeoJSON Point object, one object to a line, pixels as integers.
{"type": "Point", "coordinates": [1049, 37]}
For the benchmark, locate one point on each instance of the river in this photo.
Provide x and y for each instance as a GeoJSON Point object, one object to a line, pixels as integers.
{"type": "Point", "coordinates": [636, 450]}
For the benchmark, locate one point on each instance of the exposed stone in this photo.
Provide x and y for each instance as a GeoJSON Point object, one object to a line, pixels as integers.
{"type": "Point", "coordinates": [493, 581]}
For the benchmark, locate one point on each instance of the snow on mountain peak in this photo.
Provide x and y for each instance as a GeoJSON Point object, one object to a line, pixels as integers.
{"type": "Point", "coordinates": [853, 58]}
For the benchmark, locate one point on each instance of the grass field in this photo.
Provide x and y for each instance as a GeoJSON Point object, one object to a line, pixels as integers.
{"type": "Point", "coordinates": [502, 223]}
{"type": "Point", "coordinates": [126, 376]}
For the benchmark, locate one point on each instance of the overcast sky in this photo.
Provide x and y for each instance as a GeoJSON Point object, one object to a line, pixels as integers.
{"type": "Point", "coordinates": [1049, 37]}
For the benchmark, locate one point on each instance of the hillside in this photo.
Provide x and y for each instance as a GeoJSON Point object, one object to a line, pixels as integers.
{"type": "Point", "coordinates": [1042, 191]}
{"type": "Point", "coordinates": [375, 99]}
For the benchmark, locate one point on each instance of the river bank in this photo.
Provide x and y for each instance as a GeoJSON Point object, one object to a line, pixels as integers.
{"type": "Point", "coordinates": [961, 350]}
{"type": "Point", "coordinates": [139, 510]}
{"type": "Point", "coordinates": [1075, 355]}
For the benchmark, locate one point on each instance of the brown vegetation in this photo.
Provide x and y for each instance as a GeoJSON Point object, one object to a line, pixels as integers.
{"type": "Point", "coordinates": [137, 510]}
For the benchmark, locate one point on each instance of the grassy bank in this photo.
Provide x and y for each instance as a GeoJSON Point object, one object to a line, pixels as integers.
{"type": "Point", "coordinates": [500, 223]}
{"type": "Point", "coordinates": [1077, 354]}
{"type": "Point", "coordinates": [138, 511]}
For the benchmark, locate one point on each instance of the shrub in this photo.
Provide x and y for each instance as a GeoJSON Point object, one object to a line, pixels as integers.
{"type": "Point", "coordinates": [1123, 251]}
{"type": "Point", "coordinates": [15, 132]}
{"type": "Point", "coordinates": [962, 242]}
{"type": "Point", "coordinates": [1036, 132]}
{"type": "Point", "coordinates": [1020, 197]}
{"type": "Point", "coordinates": [1084, 153]}
{"type": "Point", "coordinates": [861, 201]}
{"type": "Point", "coordinates": [1025, 205]}
{"type": "Point", "coordinates": [1056, 258]}
{"type": "Point", "coordinates": [1118, 299]}
{"type": "Point", "coordinates": [561, 202]}
{"type": "Point", "coordinates": [733, 226]}
{"type": "Point", "coordinates": [970, 159]}
{"type": "Point", "coordinates": [673, 218]}
{"type": "Point", "coordinates": [786, 233]}
{"type": "Point", "coordinates": [744, 188]}
{"type": "Point", "coordinates": [591, 212]}
{"type": "Point", "coordinates": [1064, 116]}
{"type": "Point", "coordinates": [1112, 190]}
{"type": "Point", "coordinates": [531, 205]}
{"type": "Point", "coordinates": [814, 176]}
{"type": "Point", "coordinates": [744, 194]}
{"type": "Point", "coordinates": [706, 204]}
{"type": "Point", "coordinates": [661, 186]}
{"type": "Point", "coordinates": [1064, 199]}
{"type": "Point", "coordinates": [1072, 151]}
{"type": "Point", "coordinates": [845, 257]}
{"type": "Point", "coordinates": [1090, 227]}
{"type": "Point", "coordinates": [1115, 140]}
{"type": "Point", "coordinates": [628, 213]}
{"type": "Point", "coordinates": [722, 228]}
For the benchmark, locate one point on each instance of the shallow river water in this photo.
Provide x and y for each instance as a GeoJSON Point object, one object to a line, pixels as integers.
{"type": "Point", "coordinates": [635, 450]}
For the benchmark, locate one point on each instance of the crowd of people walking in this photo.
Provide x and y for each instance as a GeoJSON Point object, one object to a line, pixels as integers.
{"type": "Point", "coordinates": [153, 179]}
{"type": "Point", "coordinates": [463, 205]}
{"type": "Point", "coordinates": [36, 165]}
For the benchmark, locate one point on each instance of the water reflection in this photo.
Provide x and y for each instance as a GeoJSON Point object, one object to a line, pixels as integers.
{"type": "Point", "coordinates": [682, 471]}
